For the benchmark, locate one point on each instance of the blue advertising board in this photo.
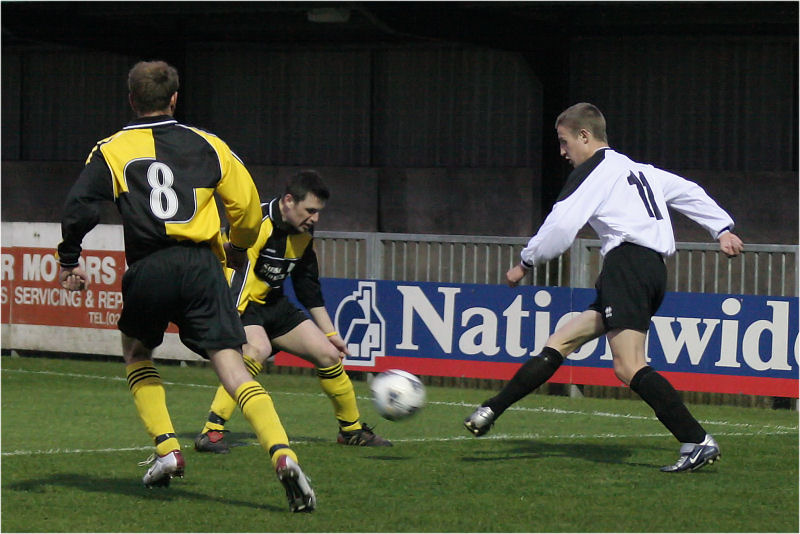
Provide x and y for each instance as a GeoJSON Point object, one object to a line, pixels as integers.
{"type": "Point", "coordinates": [702, 342]}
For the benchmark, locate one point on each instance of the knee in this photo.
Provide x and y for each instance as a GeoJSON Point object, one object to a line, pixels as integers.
{"type": "Point", "coordinates": [625, 373]}
{"type": "Point", "coordinates": [259, 351]}
{"type": "Point", "coordinates": [134, 351]}
{"type": "Point", "coordinates": [232, 385]}
{"type": "Point", "coordinates": [131, 358]}
{"type": "Point", "coordinates": [622, 372]}
{"type": "Point", "coordinates": [623, 376]}
{"type": "Point", "coordinates": [328, 357]}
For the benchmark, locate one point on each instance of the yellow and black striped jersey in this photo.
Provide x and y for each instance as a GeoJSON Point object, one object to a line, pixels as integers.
{"type": "Point", "coordinates": [162, 175]}
{"type": "Point", "coordinates": [279, 251]}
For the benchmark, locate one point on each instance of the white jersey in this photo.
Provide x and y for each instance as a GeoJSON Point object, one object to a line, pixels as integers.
{"type": "Point", "coordinates": [623, 201]}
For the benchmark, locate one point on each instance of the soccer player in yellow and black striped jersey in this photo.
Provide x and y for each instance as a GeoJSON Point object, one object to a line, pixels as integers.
{"type": "Point", "coordinates": [285, 248]}
{"type": "Point", "coordinates": [162, 176]}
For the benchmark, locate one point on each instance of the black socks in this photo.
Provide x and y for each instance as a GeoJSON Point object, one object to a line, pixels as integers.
{"type": "Point", "coordinates": [656, 391]}
{"type": "Point", "coordinates": [530, 376]}
{"type": "Point", "coordinates": [653, 388]}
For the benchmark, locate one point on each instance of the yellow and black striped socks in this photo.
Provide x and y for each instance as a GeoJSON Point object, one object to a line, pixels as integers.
{"type": "Point", "coordinates": [333, 380]}
{"type": "Point", "coordinates": [339, 389]}
{"type": "Point", "coordinates": [257, 407]}
{"type": "Point", "coordinates": [151, 403]}
{"type": "Point", "coordinates": [223, 406]}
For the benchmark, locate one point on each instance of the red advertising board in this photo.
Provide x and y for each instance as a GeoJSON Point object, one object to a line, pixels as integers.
{"type": "Point", "coordinates": [31, 293]}
{"type": "Point", "coordinates": [567, 374]}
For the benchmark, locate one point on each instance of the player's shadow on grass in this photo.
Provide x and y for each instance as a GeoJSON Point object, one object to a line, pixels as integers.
{"type": "Point", "coordinates": [516, 449]}
{"type": "Point", "coordinates": [131, 488]}
{"type": "Point", "coordinates": [246, 439]}
{"type": "Point", "coordinates": [233, 439]}
{"type": "Point", "coordinates": [389, 457]}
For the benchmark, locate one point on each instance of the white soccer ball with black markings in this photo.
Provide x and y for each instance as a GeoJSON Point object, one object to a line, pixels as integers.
{"type": "Point", "coordinates": [397, 394]}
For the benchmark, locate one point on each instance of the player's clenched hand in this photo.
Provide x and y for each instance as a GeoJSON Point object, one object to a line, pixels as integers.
{"type": "Point", "coordinates": [730, 244]}
{"type": "Point", "coordinates": [73, 278]}
{"type": "Point", "coordinates": [514, 275]}
{"type": "Point", "coordinates": [235, 258]}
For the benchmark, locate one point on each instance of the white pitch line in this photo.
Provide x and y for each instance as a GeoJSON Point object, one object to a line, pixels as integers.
{"type": "Point", "coordinates": [74, 451]}
{"type": "Point", "coordinates": [445, 439]}
{"type": "Point", "coordinates": [604, 435]}
{"type": "Point", "coordinates": [640, 417]}
{"type": "Point", "coordinates": [545, 410]}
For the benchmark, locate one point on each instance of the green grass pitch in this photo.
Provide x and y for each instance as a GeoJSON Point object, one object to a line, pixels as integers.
{"type": "Point", "coordinates": [71, 441]}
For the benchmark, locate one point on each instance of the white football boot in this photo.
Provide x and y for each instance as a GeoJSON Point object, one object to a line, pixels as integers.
{"type": "Point", "coordinates": [163, 468]}
{"type": "Point", "coordinates": [298, 488]}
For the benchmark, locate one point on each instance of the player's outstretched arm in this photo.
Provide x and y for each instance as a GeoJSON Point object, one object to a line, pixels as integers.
{"type": "Point", "coordinates": [730, 244]}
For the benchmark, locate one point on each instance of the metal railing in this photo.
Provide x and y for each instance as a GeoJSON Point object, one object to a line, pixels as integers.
{"type": "Point", "coordinates": [695, 267]}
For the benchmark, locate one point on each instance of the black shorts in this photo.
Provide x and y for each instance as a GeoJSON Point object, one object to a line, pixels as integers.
{"type": "Point", "coordinates": [630, 287]}
{"type": "Point", "coordinates": [184, 285]}
{"type": "Point", "coordinates": [278, 316]}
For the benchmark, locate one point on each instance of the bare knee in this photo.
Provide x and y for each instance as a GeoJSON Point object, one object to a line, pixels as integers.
{"type": "Point", "coordinates": [259, 350]}
{"type": "Point", "coordinates": [328, 357]}
{"type": "Point", "coordinates": [628, 348]}
{"type": "Point", "coordinates": [230, 369]}
{"type": "Point", "coordinates": [626, 372]}
{"type": "Point", "coordinates": [134, 351]}
{"type": "Point", "coordinates": [623, 375]}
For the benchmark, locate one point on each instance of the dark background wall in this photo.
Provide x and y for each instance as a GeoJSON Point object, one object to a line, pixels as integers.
{"type": "Point", "coordinates": [424, 117]}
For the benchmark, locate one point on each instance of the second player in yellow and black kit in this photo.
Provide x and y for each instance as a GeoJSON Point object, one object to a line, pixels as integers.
{"type": "Point", "coordinates": [284, 248]}
{"type": "Point", "coordinates": [280, 251]}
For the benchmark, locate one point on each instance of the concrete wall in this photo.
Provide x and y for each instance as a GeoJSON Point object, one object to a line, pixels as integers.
{"type": "Point", "coordinates": [501, 202]}
{"type": "Point", "coordinates": [429, 201]}
{"type": "Point", "coordinates": [763, 204]}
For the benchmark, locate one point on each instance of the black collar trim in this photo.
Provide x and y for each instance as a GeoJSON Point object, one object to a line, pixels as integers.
{"type": "Point", "coordinates": [276, 216]}
{"type": "Point", "coordinates": [579, 174]}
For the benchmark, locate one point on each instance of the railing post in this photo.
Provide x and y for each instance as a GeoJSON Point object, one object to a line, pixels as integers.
{"type": "Point", "coordinates": [578, 274]}
{"type": "Point", "coordinates": [578, 269]}
{"type": "Point", "coordinates": [374, 256]}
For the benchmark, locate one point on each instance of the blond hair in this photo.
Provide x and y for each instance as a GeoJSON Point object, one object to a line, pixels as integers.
{"type": "Point", "coordinates": [584, 116]}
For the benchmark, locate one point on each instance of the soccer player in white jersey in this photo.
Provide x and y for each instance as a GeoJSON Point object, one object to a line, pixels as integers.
{"type": "Point", "coordinates": [626, 203]}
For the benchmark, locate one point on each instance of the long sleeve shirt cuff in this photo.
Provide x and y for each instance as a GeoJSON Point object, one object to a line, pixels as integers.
{"type": "Point", "coordinates": [726, 229]}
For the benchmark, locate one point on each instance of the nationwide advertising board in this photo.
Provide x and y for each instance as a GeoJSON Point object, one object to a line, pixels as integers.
{"type": "Point", "coordinates": [701, 342]}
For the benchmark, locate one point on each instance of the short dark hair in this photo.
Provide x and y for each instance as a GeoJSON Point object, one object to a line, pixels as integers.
{"type": "Point", "coordinates": [152, 84]}
{"type": "Point", "coordinates": [305, 182]}
{"type": "Point", "coordinates": [584, 116]}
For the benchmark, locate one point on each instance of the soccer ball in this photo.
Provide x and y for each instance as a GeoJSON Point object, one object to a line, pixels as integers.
{"type": "Point", "coordinates": [397, 394]}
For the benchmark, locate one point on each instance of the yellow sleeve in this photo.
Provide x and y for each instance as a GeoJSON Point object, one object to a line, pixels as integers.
{"type": "Point", "coordinates": [240, 198]}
